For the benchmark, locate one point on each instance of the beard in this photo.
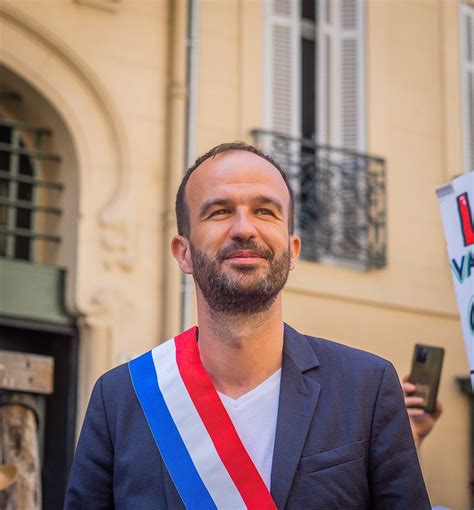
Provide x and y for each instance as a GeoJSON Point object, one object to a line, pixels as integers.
{"type": "Point", "coordinates": [246, 291]}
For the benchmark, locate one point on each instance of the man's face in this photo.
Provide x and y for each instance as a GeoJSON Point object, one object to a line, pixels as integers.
{"type": "Point", "coordinates": [240, 250]}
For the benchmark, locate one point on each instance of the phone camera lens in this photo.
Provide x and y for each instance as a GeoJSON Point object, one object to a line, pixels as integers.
{"type": "Point", "coordinates": [421, 355]}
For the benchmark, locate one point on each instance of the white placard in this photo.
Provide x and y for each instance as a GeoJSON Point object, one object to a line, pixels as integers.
{"type": "Point", "coordinates": [456, 201]}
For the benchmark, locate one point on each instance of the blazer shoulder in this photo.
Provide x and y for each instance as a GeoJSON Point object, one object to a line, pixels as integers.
{"type": "Point", "coordinates": [116, 375]}
{"type": "Point", "coordinates": [355, 367]}
{"type": "Point", "coordinates": [325, 348]}
{"type": "Point", "coordinates": [115, 395]}
{"type": "Point", "coordinates": [119, 375]}
{"type": "Point", "coordinates": [116, 382]}
{"type": "Point", "coordinates": [329, 357]}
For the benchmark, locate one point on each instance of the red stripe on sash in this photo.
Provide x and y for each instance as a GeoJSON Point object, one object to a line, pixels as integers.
{"type": "Point", "coordinates": [232, 452]}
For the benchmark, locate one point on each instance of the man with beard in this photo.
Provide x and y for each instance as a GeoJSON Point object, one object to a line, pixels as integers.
{"type": "Point", "coordinates": [243, 411]}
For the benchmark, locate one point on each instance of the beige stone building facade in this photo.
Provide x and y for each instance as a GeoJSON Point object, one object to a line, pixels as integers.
{"type": "Point", "coordinates": [103, 103]}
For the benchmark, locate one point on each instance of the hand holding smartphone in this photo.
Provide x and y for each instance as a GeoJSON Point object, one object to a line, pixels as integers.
{"type": "Point", "coordinates": [425, 374]}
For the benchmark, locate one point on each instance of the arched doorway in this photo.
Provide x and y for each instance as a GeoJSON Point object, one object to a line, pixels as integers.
{"type": "Point", "coordinates": [60, 92]}
{"type": "Point", "coordinates": [38, 211]}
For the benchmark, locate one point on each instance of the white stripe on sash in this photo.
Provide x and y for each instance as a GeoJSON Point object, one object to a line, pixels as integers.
{"type": "Point", "coordinates": [192, 430]}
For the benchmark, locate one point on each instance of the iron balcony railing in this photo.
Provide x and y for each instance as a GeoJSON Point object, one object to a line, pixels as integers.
{"type": "Point", "coordinates": [340, 203]}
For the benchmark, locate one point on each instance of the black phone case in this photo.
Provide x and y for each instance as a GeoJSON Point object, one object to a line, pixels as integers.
{"type": "Point", "coordinates": [426, 373]}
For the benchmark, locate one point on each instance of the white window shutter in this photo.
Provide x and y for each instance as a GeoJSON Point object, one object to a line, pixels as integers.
{"type": "Point", "coordinates": [282, 66]}
{"type": "Point", "coordinates": [340, 74]}
{"type": "Point", "coordinates": [341, 123]}
{"type": "Point", "coordinates": [282, 84]}
{"type": "Point", "coordinates": [467, 71]}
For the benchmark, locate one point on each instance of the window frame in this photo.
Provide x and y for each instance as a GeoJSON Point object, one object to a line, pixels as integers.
{"type": "Point", "coordinates": [26, 141]}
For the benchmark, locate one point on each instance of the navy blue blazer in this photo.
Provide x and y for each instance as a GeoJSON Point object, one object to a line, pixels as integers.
{"type": "Point", "coordinates": [343, 439]}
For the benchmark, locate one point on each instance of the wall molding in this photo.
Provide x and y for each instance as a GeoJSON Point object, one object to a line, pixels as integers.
{"type": "Point", "coordinates": [103, 5]}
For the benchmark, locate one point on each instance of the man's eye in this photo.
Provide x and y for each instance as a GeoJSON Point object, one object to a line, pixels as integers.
{"type": "Point", "coordinates": [219, 212]}
{"type": "Point", "coordinates": [265, 212]}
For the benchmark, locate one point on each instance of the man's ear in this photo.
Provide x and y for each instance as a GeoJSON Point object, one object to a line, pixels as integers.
{"type": "Point", "coordinates": [295, 248]}
{"type": "Point", "coordinates": [182, 253]}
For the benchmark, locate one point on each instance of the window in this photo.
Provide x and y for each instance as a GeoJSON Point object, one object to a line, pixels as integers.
{"type": "Point", "coordinates": [25, 195]}
{"type": "Point", "coordinates": [315, 70]}
{"type": "Point", "coordinates": [314, 117]}
{"type": "Point", "coordinates": [467, 73]}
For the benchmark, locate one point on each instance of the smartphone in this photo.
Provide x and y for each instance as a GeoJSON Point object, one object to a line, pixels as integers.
{"type": "Point", "coordinates": [426, 373]}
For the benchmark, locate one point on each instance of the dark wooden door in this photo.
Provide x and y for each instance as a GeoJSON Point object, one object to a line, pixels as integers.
{"type": "Point", "coordinates": [61, 343]}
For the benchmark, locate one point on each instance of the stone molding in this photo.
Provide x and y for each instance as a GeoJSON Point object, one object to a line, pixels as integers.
{"type": "Point", "coordinates": [104, 5]}
{"type": "Point", "coordinates": [116, 218]}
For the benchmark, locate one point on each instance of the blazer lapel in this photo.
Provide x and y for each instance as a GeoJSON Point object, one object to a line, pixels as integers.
{"type": "Point", "coordinates": [298, 397]}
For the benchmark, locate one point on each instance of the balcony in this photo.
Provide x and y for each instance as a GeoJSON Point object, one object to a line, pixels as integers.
{"type": "Point", "coordinates": [340, 204]}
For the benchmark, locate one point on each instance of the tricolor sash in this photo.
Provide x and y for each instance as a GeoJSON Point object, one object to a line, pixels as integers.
{"type": "Point", "coordinates": [196, 438]}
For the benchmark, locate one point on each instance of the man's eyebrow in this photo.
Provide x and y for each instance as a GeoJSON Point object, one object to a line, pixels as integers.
{"type": "Point", "coordinates": [266, 200]}
{"type": "Point", "coordinates": [224, 202]}
{"type": "Point", "coordinates": [204, 209]}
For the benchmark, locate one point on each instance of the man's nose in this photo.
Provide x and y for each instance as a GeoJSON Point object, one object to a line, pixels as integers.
{"type": "Point", "coordinates": [242, 226]}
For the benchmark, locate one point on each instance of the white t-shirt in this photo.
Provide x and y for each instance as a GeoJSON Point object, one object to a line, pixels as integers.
{"type": "Point", "coordinates": [254, 416]}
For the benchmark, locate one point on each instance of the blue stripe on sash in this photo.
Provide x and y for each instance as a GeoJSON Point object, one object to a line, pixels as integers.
{"type": "Point", "coordinates": [173, 451]}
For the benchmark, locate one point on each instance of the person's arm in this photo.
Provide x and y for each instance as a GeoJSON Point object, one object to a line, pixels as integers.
{"type": "Point", "coordinates": [90, 482]}
{"type": "Point", "coordinates": [395, 476]}
{"type": "Point", "coordinates": [421, 422]}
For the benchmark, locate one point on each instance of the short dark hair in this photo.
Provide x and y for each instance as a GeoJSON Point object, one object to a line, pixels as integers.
{"type": "Point", "coordinates": [182, 211]}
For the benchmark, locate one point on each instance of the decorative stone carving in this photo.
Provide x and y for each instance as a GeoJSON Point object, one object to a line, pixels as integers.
{"type": "Point", "coordinates": [109, 302]}
{"type": "Point", "coordinates": [116, 236]}
{"type": "Point", "coordinates": [100, 326]}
